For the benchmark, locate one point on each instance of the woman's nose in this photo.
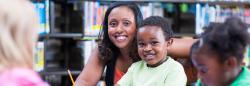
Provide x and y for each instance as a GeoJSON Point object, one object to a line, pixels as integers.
{"type": "Point", "coordinates": [119, 29]}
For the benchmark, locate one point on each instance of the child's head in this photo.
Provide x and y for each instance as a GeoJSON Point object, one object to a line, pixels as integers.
{"type": "Point", "coordinates": [18, 33]}
{"type": "Point", "coordinates": [120, 24]}
{"type": "Point", "coordinates": [218, 54]}
{"type": "Point", "coordinates": [154, 38]}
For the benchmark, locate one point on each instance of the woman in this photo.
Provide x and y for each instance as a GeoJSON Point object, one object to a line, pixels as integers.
{"type": "Point", "coordinates": [117, 49]}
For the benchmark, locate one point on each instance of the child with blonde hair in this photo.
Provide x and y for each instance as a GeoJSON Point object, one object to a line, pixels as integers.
{"type": "Point", "coordinates": [18, 35]}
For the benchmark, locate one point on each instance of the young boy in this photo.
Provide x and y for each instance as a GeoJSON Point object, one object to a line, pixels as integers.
{"type": "Point", "coordinates": [154, 38]}
{"type": "Point", "coordinates": [218, 55]}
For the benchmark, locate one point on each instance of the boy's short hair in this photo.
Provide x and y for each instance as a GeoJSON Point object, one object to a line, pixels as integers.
{"type": "Point", "coordinates": [160, 22]}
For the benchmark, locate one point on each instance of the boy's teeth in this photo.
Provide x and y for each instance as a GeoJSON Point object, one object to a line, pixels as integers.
{"type": "Point", "coordinates": [149, 56]}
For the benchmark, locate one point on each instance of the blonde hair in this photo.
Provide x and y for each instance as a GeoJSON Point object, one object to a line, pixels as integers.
{"type": "Point", "coordinates": [18, 33]}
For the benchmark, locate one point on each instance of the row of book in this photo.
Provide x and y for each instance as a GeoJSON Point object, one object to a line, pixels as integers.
{"type": "Point", "coordinates": [94, 13]}
{"type": "Point", "coordinates": [224, 0]}
{"type": "Point", "coordinates": [39, 60]}
{"type": "Point", "coordinates": [218, 13]}
{"type": "Point", "coordinates": [204, 14]}
{"type": "Point", "coordinates": [42, 9]}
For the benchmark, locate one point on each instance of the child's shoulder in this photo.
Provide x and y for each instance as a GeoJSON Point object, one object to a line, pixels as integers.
{"type": "Point", "coordinates": [20, 77]}
{"type": "Point", "coordinates": [173, 65]}
{"type": "Point", "coordinates": [174, 62]}
{"type": "Point", "coordinates": [138, 64]}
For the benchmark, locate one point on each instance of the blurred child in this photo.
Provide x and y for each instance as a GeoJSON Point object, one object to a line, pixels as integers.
{"type": "Point", "coordinates": [218, 54]}
{"type": "Point", "coordinates": [18, 35]}
{"type": "Point", "coordinates": [156, 68]}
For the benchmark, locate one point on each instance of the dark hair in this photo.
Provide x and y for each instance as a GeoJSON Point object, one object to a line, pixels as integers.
{"type": "Point", "coordinates": [226, 39]}
{"type": "Point", "coordinates": [160, 22]}
{"type": "Point", "coordinates": [106, 48]}
{"type": "Point", "coordinates": [194, 48]}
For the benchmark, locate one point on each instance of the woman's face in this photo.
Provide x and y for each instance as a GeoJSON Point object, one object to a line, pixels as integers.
{"type": "Point", "coordinates": [121, 26]}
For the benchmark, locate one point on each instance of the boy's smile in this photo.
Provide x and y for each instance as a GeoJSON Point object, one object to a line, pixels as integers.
{"type": "Point", "coordinates": [152, 46]}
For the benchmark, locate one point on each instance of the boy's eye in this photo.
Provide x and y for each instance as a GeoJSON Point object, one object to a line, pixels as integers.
{"type": "Point", "coordinates": [141, 44]}
{"type": "Point", "coordinates": [154, 42]}
{"type": "Point", "coordinates": [113, 24]}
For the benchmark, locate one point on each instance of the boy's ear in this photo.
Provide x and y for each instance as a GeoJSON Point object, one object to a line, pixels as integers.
{"type": "Point", "coordinates": [169, 43]}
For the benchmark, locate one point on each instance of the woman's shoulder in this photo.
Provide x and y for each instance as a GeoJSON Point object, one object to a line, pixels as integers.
{"type": "Point", "coordinates": [21, 77]}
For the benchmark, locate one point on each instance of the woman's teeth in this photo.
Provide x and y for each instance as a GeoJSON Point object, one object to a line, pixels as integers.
{"type": "Point", "coordinates": [121, 38]}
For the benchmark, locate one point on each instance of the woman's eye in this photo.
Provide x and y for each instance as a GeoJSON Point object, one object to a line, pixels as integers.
{"type": "Point", "coordinates": [126, 23]}
{"type": "Point", "coordinates": [112, 24]}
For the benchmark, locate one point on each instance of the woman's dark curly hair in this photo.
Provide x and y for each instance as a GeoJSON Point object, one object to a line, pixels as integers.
{"type": "Point", "coordinates": [106, 48]}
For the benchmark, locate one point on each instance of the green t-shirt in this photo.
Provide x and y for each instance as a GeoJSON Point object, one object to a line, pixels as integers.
{"type": "Point", "coordinates": [242, 80]}
{"type": "Point", "coordinates": [170, 73]}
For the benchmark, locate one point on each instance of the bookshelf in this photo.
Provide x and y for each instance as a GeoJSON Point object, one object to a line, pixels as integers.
{"type": "Point", "coordinates": [72, 30]}
{"type": "Point", "coordinates": [60, 41]}
{"type": "Point", "coordinates": [63, 35]}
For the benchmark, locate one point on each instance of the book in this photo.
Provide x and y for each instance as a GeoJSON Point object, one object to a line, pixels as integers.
{"type": "Point", "coordinates": [39, 57]}
{"type": "Point", "coordinates": [93, 17]}
{"type": "Point", "coordinates": [206, 14]}
{"type": "Point", "coordinates": [94, 14]}
{"type": "Point", "coordinates": [42, 9]}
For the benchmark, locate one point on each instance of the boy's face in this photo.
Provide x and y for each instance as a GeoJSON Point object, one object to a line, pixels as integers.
{"type": "Point", "coordinates": [210, 71]}
{"type": "Point", "coordinates": [152, 46]}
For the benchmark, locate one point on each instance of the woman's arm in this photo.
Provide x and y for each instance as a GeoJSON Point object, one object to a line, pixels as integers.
{"type": "Point", "coordinates": [92, 71]}
{"type": "Point", "coordinates": [180, 47]}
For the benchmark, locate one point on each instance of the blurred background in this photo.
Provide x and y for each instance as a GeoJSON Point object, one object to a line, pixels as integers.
{"type": "Point", "coordinates": [68, 30]}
